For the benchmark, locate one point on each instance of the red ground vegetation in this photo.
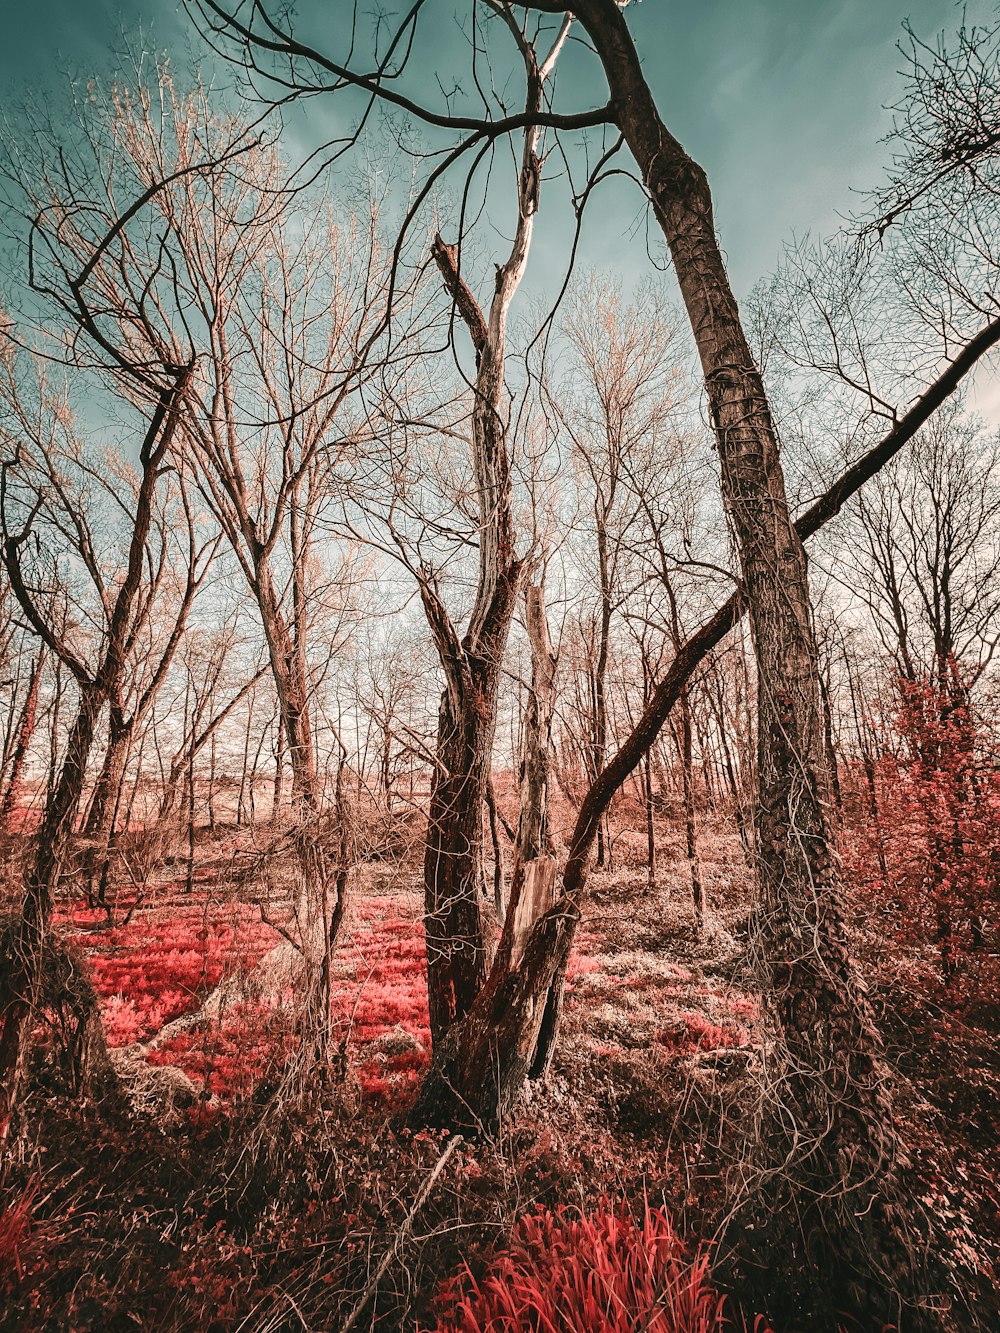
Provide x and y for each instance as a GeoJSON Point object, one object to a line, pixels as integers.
{"type": "Point", "coordinates": [601, 1272]}
{"type": "Point", "coordinates": [924, 846]}
{"type": "Point", "coordinates": [165, 960]}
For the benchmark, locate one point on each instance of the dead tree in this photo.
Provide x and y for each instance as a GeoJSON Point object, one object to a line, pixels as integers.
{"type": "Point", "coordinates": [471, 660]}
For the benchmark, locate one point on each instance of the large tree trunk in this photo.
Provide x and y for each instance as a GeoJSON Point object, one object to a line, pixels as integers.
{"type": "Point", "coordinates": [456, 958]}
{"type": "Point", "coordinates": [832, 1086]}
{"type": "Point", "coordinates": [108, 786]}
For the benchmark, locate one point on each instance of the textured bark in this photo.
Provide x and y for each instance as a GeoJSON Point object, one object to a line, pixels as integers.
{"type": "Point", "coordinates": [533, 882]}
{"type": "Point", "coordinates": [456, 956]}
{"type": "Point", "coordinates": [108, 786]}
{"type": "Point", "coordinates": [832, 1084]}
{"type": "Point", "coordinates": [104, 808]}
{"type": "Point", "coordinates": [453, 855]}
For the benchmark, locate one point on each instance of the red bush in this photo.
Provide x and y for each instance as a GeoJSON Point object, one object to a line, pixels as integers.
{"type": "Point", "coordinates": [934, 847]}
{"type": "Point", "coordinates": [604, 1273]}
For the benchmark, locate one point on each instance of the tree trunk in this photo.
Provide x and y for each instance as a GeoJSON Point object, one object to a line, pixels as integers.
{"type": "Point", "coordinates": [456, 957]}
{"type": "Point", "coordinates": [109, 781]}
{"type": "Point", "coordinates": [104, 807]}
{"type": "Point", "coordinates": [25, 732]}
{"type": "Point", "coordinates": [690, 817]}
{"type": "Point", "coordinates": [533, 887]}
{"type": "Point", "coordinates": [833, 1086]}
{"type": "Point", "coordinates": [52, 839]}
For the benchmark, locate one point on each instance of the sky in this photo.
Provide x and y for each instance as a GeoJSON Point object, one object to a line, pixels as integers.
{"type": "Point", "coordinates": [782, 101]}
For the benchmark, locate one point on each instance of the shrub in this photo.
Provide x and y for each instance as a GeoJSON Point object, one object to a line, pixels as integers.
{"type": "Point", "coordinates": [603, 1273]}
{"type": "Point", "coordinates": [936, 843]}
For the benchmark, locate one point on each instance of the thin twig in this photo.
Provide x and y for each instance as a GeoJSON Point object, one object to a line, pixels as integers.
{"type": "Point", "coordinates": [401, 1234]}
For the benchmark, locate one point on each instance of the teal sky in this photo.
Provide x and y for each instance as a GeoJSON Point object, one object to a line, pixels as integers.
{"type": "Point", "coordinates": [782, 101]}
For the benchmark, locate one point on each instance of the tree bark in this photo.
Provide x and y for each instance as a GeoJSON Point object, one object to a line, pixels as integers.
{"type": "Point", "coordinates": [25, 732]}
{"type": "Point", "coordinates": [533, 887]}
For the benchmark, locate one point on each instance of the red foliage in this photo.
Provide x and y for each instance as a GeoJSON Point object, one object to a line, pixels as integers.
{"type": "Point", "coordinates": [382, 985]}
{"type": "Point", "coordinates": [603, 1273]}
{"type": "Point", "coordinates": [935, 847]}
{"type": "Point", "coordinates": [164, 961]}
{"type": "Point", "coordinates": [695, 1032]}
{"type": "Point", "coordinates": [171, 955]}
{"type": "Point", "coordinates": [20, 1246]}
{"type": "Point", "coordinates": [228, 1058]}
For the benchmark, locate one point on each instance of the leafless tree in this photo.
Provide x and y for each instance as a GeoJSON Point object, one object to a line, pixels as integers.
{"type": "Point", "coordinates": [36, 494]}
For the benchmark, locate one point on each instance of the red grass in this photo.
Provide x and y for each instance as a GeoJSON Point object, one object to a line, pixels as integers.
{"type": "Point", "coordinates": [164, 961]}
{"type": "Point", "coordinates": [19, 1247]}
{"type": "Point", "coordinates": [698, 1033]}
{"type": "Point", "coordinates": [382, 984]}
{"type": "Point", "coordinates": [604, 1273]}
{"type": "Point", "coordinates": [228, 1058]}
{"type": "Point", "coordinates": [170, 956]}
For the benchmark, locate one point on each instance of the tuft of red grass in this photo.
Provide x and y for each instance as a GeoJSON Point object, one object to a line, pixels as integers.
{"type": "Point", "coordinates": [602, 1273]}
{"type": "Point", "coordinates": [695, 1032]}
{"type": "Point", "coordinates": [17, 1242]}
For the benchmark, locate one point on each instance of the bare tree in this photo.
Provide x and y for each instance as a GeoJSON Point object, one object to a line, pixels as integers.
{"type": "Point", "coordinates": [98, 681]}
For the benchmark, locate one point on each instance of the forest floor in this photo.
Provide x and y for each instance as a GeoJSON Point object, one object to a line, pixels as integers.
{"type": "Point", "coordinates": [215, 1209]}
